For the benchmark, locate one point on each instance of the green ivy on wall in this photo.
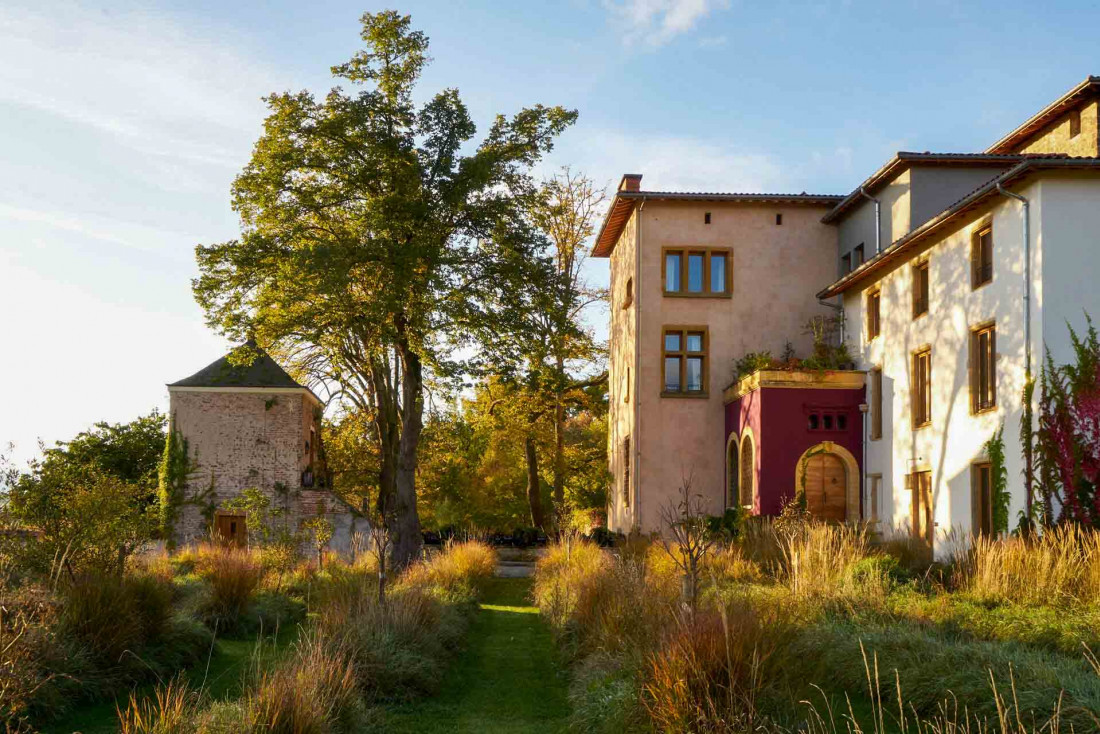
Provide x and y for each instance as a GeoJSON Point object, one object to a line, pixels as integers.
{"type": "Point", "coordinates": [995, 449]}
{"type": "Point", "coordinates": [172, 472]}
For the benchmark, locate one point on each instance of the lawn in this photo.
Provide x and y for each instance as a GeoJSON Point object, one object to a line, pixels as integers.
{"type": "Point", "coordinates": [506, 679]}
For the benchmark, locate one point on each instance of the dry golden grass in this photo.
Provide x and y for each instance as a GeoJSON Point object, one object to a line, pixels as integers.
{"type": "Point", "coordinates": [460, 566]}
{"type": "Point", "coordinates": [1058, 567]}
{"type": "Point", "coordinates": [732, 564]}
{"type": "Point", "coordinates": [170, 710]}
{"type": "Point", "coordinates": [232, 576]}
{"type": "Point", "coordinates": [314, 690]}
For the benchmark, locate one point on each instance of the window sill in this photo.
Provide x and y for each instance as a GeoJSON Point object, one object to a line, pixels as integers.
{"type": "Point", "coordinates": [983, 411]}
{"type": "Point", "coordinates": [920, 426]}
{"type": "Point", "coordinates": [681, 294]}
{"type": "Point", "coordinates": [979, 286]}
{"type": "Point", "coordinates": [696, 395]}
{"type": "Point", "coordinates": [920, 315]}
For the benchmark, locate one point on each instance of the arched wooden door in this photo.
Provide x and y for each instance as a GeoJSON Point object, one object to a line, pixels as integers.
{"type": "Point", "coordinates": [746, 472]}
{"type": "Point", "coordinates": [827, 487]}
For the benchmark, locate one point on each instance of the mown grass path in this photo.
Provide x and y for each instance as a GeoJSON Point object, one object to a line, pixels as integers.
{"type": "Point", "coordinates": [505, 680]}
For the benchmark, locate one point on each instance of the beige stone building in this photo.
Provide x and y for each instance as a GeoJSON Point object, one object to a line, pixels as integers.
{"type": "Point", "coordinates": [953, 273]}
{"type": "Point", "coordinates": [697, 280]}
{"type": "Point", "coordinates": [253, 426]}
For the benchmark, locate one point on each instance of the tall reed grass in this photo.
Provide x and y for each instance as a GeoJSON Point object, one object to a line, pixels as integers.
{"type": "Point", "coordinates": [811, 602]}
{"type": "Point", "coordinates": [1061, 566]}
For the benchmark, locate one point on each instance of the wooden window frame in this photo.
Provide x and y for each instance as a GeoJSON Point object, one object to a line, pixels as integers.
{"type": "Point", "coordinates": [707, 253]}
{"type": "Point", "coordinates": [924, 418]}
{"type": "Point", "coordinates": [682, 353]}
{"type": "Point", "coordinates": [977, 277]}
{"type": "Point", "coordinates": [918, 268]}
{"type": "Point", "coordinates": [858, 249]}
{"type": "Point", "coordinates": [874, 315]}
{"type": "Point", "coordinates": [876, 404]}
{"type": "Point", "coordinates": [628, 296]}
{"type": "Point", "coordinates": [845, 264]}
{"type": "Point", "coordinates": [977, 509]}
{"type": "Point", "coordinates": [977, 405]}
{"type": "Point", "coordinates": [1074, 123]}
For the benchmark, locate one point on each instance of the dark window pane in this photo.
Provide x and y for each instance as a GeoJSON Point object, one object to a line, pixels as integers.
{"type": "Point", "coordinates": [695, 273]}
{"type": "Point", "coordinates": [672, 272]}
{"type": "Point", "coordinates": [672, 374]}
{"type": "Point", "coordinates": [814, 422]}
{"type": "Point", "coordinates": [717, 273]}
{"type": "Point", "coordinates": [672, 342]}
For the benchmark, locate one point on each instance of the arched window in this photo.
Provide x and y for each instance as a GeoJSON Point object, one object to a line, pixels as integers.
{"type": "Point", "coordinates": [746, 488]}
{"type": "Point", "coordinates": [733, 473]}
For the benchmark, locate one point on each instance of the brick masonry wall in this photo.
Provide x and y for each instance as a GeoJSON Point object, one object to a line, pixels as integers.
{"type": "Point", "coordinates": [239, 440]}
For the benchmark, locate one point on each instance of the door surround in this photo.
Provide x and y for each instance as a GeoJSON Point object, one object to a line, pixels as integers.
{"type": "Point", "coordinates": [851, 467]}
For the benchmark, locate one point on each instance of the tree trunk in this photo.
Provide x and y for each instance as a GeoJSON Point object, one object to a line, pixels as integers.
{"type": "Point", "coordinates": [559, 444]}
{"type": "Point", "coordinates": [407, 539]}
{"type": "Point", "coordinates": [534, 495]}
{"type": "Point", "coordinates": [386, 422]}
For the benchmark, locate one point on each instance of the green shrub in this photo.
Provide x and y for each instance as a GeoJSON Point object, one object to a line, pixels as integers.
{"type": "Point", "coordinates": [727, 526]}
{"type": "Point", "coordinates": [750, 363]}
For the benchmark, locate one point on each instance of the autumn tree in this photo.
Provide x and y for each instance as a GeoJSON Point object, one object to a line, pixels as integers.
{"type": "Point", "coordinates": [374, 248]}
{"type": "Point", "coordinates": [558, 355]}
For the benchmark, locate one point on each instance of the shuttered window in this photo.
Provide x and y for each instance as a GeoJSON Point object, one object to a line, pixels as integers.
{"type": "Point", "coordinates": [920, 289]}
{"type": "Point", "coordinates": [874, 314]}
{"type": "Point", "coordinates": [922, 388]}
{"type": "Point", "coordinates": [983, 369]}
{"type": "Point", "coordinates": [981, 478]}
{"type": "Point", "coordinates": [981, 257]}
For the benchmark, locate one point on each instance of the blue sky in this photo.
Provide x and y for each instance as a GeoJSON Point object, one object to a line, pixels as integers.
{"type": "Point", "coordinates": [123, 124]}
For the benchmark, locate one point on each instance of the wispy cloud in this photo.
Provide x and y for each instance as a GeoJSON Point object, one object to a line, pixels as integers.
{"type": "Point", "coordinates": [656, 22]}
{"type": "Point", "coordinates": [674, 162]}
{"type": "Point", "coordinates": [181, 102]}
{"type": "Point", "coordinates": [126, 234]}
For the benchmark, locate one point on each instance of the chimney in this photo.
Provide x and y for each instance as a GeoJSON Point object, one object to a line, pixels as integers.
{"type": "Point", "coordinates": [631, 182]}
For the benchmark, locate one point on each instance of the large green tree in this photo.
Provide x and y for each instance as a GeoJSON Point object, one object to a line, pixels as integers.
{"type": "Point", "coordinates": [378, 241]}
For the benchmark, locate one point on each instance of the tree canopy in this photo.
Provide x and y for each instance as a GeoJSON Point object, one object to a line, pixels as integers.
{"type": "Point", "coordinates": [378, 240]}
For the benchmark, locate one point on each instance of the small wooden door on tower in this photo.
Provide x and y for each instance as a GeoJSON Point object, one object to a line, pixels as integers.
{"type": "Point", "coordinates": [231, 529]}
{"type": "Point", "coordinates": [827, 487]}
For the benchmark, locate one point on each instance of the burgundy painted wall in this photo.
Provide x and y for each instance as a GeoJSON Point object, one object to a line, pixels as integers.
{"type": "Point", "coordinates": [779, 418]}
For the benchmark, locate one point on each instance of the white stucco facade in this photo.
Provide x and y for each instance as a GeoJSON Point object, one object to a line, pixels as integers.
{"type": "Point", "coordinates": [1065, 258]}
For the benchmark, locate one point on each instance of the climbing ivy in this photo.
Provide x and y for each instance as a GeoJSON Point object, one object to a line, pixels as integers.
{"type": "Point", "coordinates": [995, 449]}
{"type": "Point", "coordinates": [172, 472]}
